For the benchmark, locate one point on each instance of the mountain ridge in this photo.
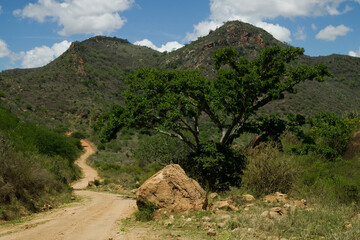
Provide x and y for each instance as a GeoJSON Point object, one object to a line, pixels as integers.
{"type": "Point", "coordinates": [89, 77]}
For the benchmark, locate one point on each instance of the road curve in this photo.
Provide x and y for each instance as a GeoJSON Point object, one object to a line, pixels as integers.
{"type": "Point", "coordinates": [89, 174]}
{"type": "Point", "coordinates": [95, 218]}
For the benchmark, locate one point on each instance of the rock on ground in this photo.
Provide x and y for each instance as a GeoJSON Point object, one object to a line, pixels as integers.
{"type": "Point", "coordinates": [172, 189]}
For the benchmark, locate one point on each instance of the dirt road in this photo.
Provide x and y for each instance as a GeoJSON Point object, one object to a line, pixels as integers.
{"type": "Point", "coordinates": [95, 218]}
{"type": "Point", "coordinates": [89, 174]}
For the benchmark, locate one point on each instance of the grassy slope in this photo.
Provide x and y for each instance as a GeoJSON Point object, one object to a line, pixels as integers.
{"type": "Point", "coordinates": [79, 84]}
{"type": "Point", "coordinates": [36, 165]}
{"type": "Point", "coordinates": [89, 77]}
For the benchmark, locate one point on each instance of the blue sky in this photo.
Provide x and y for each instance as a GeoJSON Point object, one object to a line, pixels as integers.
{"type": "Point", "coordinates": [33, 33]}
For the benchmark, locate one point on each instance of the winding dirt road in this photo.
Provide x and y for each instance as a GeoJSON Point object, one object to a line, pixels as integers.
{"type": "Point", "coordinates": [95, 218]}
{"type": "Point", "coordinates": [89, 174]}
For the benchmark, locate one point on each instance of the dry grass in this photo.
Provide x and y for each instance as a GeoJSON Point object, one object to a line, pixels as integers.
{"type": "Point", "coordinates": [316, 222]}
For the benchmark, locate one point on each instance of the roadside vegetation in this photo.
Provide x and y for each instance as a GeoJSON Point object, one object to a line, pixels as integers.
{"type": "Point", "coordinates": [329, 185]}
{"type": "Point", "coordinates": [234, 148]}
{"type": "Point", "coordinates": [37, 166]}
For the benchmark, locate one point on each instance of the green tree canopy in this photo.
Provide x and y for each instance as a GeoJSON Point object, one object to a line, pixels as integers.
{"type": "Point", "coordinates": [172, 102]}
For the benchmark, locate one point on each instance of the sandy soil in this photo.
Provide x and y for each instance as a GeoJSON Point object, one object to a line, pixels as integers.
{"type": "Point", "coordinates": [95, 218]}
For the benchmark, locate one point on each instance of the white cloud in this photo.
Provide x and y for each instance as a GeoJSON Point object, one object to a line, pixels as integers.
{"type": "Point", "coordinates": [146, 43]}
{"type": "Point", "coordinates": [257, 12]}
{"type": "Point", "coordinates": [202, 29]}
{"type": "Point", "coordinates": [40, 56]}
{"type": "Point", "coordinates": [355, 54]}
{"type": "Point", "coordinates": [279, 32]}
{"type": "Point", "coordinates": [79, 16]}
{"type": "Point", "coordinates": [168, 47]}
{"type": "Point", "coordinates": [314, 27]}
{"type": "Point", "coordinates": [0, 9]}
{"type": "Point", "coordinates": [300, 34]}
{"type": "Point", "coordinates": [4, 51]}
{"type": "Point", "coordinates": [330, 33]}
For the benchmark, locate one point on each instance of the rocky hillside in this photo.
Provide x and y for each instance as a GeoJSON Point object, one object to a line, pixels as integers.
{"type": "Point", "coordinates": [245, 38]}
{"type": "Point", "coordinates": [89, 77]}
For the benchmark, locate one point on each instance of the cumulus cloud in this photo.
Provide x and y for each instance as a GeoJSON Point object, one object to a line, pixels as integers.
{"type": "Point", "coordinates": [168, 47]}
{"type": "Point", "coordinates": [314, 27]}
{"type": "Point", "coordinates": [279, 32]}
{"type": "Point", "coordinates": [202, 29]}
{"type": "Point", "coordinates": [4, 51]}
{"type": "Point", "coordinates": [300, 34]}
{"type": "Point", "coordinates": [78, 16]}
{"type": "Point", "coordinates": [355, 54]}
{"type": "Point", "coordinates": [40, 56]}
{"type": "Point", "coordinates": [330, 33]}
{"type": "Point", "coordinates": [257, 12]}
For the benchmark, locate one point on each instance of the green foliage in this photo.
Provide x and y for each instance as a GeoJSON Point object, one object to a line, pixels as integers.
{"type": "Point", "coordinates": [78, 135]}
{"type": "Point", "coordinates": [215, 166]}
{"type": "Point", "coordinates": [335, 182]}
{"type": "Point", "coordinates": [161, 149]}
{"type": "Point", "coordinates": [145, 212]}
{"type": "Point", "coordinates": [329, 135]}
{"type": "Point", "coordinates": [97, 182]}
{"type": "Point", "coordinates": [36, 166]}
{"type": "Point", "coordinates": [109, 124]}
{"type": "Point", "coordinates": [121, 169]}
{"type": "Point", "coordinates": [166, 101]}
{"type": "Point", "coordinates": [171, 102]}
{"type": "Point", "coordinates": [271, 127]}
{"type": "Point", "coordinates": [53, 144]}
{"type": "Point", "coordinates": [268, 170]}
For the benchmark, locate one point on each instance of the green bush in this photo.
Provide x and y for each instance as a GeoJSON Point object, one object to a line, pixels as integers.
{"type": "Point", "coordinates": [329, 135]}
{"type": "Point", "coordinates": [215, 166]}
{"type": "Point", "coordinates": [268, 170]}
{"type": "Point", "coordinates": [24, 182]}
{"type": "Point", "coordinates": [145, 212]}
{"type": "Point", "coordinates": [333, 182]}
{"type": "Point", "coordinates": [78, 135]}
{"type": "Point", "coordinates": [53, 144]}
{"type": "Point", "coordinates": [36, 166]}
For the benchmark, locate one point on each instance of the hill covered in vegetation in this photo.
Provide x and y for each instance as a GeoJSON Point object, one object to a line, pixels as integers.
{"type": "Point", "coordinates": [89, 77]}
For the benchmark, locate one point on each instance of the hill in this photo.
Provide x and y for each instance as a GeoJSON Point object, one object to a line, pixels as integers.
{"type": "Point", "coordinates": [89, 77]}
{"type": "Point", "coordinates": [79, 84]}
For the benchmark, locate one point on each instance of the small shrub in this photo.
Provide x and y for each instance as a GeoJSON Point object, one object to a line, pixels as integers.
{"type": "Point", "coordinates": [97, 182]}
{"type": "Point", "coordinates": [78, 135]}
{"type": "Point", "coordinates": [269, 170]}
{"type": "Point", "coordinates": [106, 182]}
{"type": "Point", "coordinates": [28, 107]}
{"type": "Point", "coordinates": [145, 212]}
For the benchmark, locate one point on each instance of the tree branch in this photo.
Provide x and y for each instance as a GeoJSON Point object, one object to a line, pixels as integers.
{"type": "Point", "coordinates": [177, 135]}
{"type": "Point", "coordinates": [213, 117]}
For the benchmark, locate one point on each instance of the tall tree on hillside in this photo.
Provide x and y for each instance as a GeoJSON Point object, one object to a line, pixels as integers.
{"type": "Point", "coordinates": [174, 102]}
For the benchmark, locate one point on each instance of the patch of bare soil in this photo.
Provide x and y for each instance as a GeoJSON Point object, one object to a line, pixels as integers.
{"type": "Point", "coordinates": [95, 218]}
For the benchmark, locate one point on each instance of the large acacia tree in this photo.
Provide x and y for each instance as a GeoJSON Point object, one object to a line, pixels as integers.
{"type": "Point", "coordinates": [172, 102]}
